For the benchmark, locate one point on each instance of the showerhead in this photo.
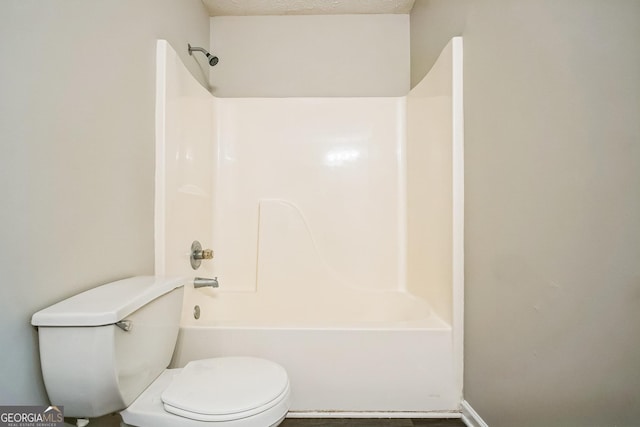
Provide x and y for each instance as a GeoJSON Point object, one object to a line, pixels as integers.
{"type": "Point", "coordinates": [213, 60]}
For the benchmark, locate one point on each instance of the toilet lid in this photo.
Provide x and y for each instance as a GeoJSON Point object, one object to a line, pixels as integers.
{"type": "Point", "coordinates": [225, 388]}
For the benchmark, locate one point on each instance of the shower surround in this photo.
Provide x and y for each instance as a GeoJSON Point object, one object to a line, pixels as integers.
{"type": "Point", "coordinates": [337, 230]}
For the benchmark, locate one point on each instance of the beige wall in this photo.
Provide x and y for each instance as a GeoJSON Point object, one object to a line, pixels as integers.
{"type": "Point", "coordinates": [552, 230]}
{"type": "Point", "coordinates": [433, 23]}
{"type": "Point", "coordinates": [77, 83]}
{"type": "Point", "coordinates": [333, 55]}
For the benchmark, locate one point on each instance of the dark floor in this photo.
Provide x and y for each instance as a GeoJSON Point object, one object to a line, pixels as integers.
{"type": "Point", "coordinates": [377, 422]}
{"type": "Point", "coordinates": [113, 420]}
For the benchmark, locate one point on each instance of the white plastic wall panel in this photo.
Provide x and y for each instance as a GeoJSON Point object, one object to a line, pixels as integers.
{"type": "Point", "coordinates": [332, 164]}
{"type": "Point", "coordinates": [185, 143]}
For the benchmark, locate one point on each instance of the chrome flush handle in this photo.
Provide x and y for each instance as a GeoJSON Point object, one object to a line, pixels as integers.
{"type": "Point", "coordinates": [125, 325]}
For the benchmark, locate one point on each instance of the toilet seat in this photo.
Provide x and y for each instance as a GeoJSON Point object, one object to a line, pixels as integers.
{"type": "Point", "coordinates": [187, 405]}
{"type": "Point", "coordinates": [226, 388]}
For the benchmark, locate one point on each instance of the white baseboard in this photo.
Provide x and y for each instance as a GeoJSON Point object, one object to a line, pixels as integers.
{"type": "Point", "coordinates": [370, 414]}
{"type": "Point", "coordinates": [471, 417]}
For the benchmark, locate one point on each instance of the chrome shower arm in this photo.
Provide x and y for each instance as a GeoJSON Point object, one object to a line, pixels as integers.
{"type": "Point", "coordinates": [213, 60]}
{"type": "Point", "coordinates": [196, 49]}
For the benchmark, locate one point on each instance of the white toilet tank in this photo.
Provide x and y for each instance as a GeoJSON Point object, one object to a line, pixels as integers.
{"type": "Point", "coordinates": [100, 349]}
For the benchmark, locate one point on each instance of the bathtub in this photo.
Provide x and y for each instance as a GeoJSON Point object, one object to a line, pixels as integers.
{"type": "Point", "coordinates": [384, 353]}
{"type": "Point", "coordinates": [337, 230]}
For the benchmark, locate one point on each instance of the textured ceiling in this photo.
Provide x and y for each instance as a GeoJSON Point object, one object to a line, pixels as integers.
{"type": "Point", "coordinates": [305, 7]}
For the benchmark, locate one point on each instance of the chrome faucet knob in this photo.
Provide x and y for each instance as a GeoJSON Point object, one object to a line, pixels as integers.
{"type": "Point", "coordinates": [206, 254]}
{"type": "Point", "coordinates": [198, 254]}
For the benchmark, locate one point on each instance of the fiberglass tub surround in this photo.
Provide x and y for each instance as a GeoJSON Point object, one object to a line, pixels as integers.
{"type": "Point", "coordinates": [333, 222]}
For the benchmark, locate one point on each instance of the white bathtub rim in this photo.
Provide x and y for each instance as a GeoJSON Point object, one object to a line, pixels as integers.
{"type": "Point", "coordinates": [317, 328]}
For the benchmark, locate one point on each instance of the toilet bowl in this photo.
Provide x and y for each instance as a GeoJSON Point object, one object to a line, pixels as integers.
{"type": "Point", "coordinates": [220, 392]}
{"type": "Point", "coordinates": [107, 350]}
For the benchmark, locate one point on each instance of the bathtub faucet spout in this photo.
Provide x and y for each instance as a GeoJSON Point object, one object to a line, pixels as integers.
{"type": "Point", "coordinates": [201, 282]}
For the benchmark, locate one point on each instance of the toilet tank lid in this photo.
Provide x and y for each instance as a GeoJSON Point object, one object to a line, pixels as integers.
{"type": "Point", "coordinates": [107, 304]}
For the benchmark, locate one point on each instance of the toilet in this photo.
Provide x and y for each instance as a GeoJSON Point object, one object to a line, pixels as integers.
{"type": "Point", "coordinates": [107, 350]}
